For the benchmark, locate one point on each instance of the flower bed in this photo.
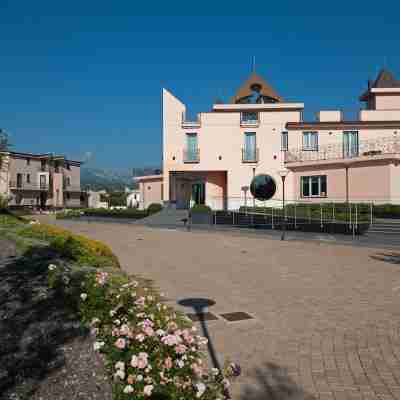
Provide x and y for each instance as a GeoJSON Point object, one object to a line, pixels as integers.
{"type": "Point", "coordinates": [150, 350]}
{"type": "Point", "coordinates": [77, 248]}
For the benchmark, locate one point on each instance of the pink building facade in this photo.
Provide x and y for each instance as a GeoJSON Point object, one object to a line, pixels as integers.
{"type": "Point", "coordinates": [213, 159]}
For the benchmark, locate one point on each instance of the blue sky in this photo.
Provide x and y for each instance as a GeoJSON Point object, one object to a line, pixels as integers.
{"type": "Point", "coordinates": [78, 77]}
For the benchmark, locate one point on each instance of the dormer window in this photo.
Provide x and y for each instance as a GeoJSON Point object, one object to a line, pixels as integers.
{"type": "Point", "coordinates": [249, 117]}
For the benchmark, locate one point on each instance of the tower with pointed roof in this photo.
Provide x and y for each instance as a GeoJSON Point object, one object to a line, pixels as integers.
{"type": "Point", "coordinates": [383, 93]}
{"type": "Point", "coordinates": [256, 90]}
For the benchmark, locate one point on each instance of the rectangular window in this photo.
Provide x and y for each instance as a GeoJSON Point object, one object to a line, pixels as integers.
{"type": "Point", "coordinates": [250, 147]}
{"type": "Point", "coordinates": [284, 141]}
{"type": "Point", "coordinates": [249, 117]}
{"type": "Point", "coordinates": [19, 180]}
{"type": "Point", "coordinates": [310, 141]}
{"type": "Point", "coordinates": [68, 179]}
{"type": "Point", "coordinates": [313, 186]}
{"type": "Point", "coordinates": [28, 161]}
{"type": "Point", "coordinates": [192, 148]}
{"type": "Point", "coordinates": [350, 144]}
{"type": "Point", "coordinates": [28, 178]}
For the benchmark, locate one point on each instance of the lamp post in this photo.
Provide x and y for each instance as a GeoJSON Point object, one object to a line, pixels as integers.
{"type": "Point", "coordinates": [283, 174]}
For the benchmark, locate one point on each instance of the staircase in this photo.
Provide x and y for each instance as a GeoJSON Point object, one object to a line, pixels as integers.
{"type": "Point", "coordinates": [167, 218]}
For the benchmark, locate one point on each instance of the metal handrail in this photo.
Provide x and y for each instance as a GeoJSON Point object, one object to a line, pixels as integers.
{"type": "Point", "coordinates": [191, 156]}
{"type": "Point", "coordinates": [28, 186]}
{"type": "Point", "coordinates": [365, 148]}
{"type": "Point", "coordinates": [250, 156]}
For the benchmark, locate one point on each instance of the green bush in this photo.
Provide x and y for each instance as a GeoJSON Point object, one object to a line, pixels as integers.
{"type": "Point", "coordinates": [69, 214]}
{"type": "Point", "coordinates": [154, 208]}
{"type": "Point", "coordinates": [77, 248]}
{"type": "Point", "coordinates": [132, 213]}
{"type": "Point", "coordinates": [200, 208]}
{"type": "Point", "coordinates": [387, 211]}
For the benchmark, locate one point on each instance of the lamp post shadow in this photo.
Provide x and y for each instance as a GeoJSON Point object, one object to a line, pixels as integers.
{"type": "Point", "coordinates": [200, 307]}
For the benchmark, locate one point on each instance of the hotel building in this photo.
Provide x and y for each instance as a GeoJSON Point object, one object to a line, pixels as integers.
{"type": "Point", "coordinates": [213, 159]}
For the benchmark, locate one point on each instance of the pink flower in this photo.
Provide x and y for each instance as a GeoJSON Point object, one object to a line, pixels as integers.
{"type": "Point", "coordinates": [120, 343]}
{"type": "Point", "coordinates": [134, 361]}
{"type": "Point", "coordinates": [180, 349]}
{"type": "Point", "coordinates": [101, 278]}
{"type": "Point", "coordinates": [171, 340]}
{"type": "Point", "coordinates": [168, 363]}
{"type": "Point", "coordinates": [148, 322]}
{"type": "Point", "coordinates": [148, 330]}
{"type": "Point", "coordinates": [148, 389]}
{"type": "Point", "coordinates": [142, 360]}
{"type": "Point", "coordinates": [140, 337]}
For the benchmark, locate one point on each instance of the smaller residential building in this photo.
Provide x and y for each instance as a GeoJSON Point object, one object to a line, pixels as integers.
{"type": "Point", "coordinates": [40, 180]}
{"type": "Point", "coordinates": [150, 190]}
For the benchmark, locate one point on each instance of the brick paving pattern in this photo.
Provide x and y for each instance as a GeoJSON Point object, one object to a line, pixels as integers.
{"type": "Point", "coordinates": [326, 317]}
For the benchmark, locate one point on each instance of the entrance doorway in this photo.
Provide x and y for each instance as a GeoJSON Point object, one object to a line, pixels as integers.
{"type": "Point", "coordinates": [198, 193]}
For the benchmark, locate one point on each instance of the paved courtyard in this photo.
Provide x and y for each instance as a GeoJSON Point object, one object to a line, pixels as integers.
{"type": "Point", "coordinates": [326, 318]}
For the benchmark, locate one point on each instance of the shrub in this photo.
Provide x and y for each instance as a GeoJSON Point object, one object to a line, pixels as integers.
{"type": "Point", "coordinates": [69, 214]}
{"type": "Point", "coordinates": [200, 208]}
{"type": "Point", "coordinates": [3, 203]}
{"type": "Point", "coordinates": [74, 247]}
{"type": "Point", "coordinates": [154, 208]}
{"type": "Point", "coordinates": [126, 213]}
{"type": "Point", "coordinates": [150, 350]}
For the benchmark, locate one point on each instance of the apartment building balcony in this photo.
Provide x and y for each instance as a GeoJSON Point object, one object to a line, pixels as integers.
{"type": "Point", "coordinates": [382, 148]}
{"type": "Point", "coordinates": [191, 156]}
{"type": "Point", "coordinates": [190, 124]}
{"type": "Point", "coordinates": [250, 155]}
{"type": "Point", "coordinates": [33, 186]}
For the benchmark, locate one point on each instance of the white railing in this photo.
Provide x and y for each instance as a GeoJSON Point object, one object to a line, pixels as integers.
{"type": "Point", "coordinates": [366, 148]}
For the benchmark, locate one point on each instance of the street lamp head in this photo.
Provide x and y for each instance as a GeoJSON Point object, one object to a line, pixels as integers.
{"type": "Point", "coordinates": [283, 173]}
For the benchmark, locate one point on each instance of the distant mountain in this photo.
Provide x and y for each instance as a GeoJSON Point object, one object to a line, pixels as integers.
{"type": "Point", "coordinates": [111, 179]}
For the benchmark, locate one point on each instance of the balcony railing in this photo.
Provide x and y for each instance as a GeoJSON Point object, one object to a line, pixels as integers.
{"type": "Point", "coordinates": [15, 185]}
{"type": "Point", "coordinates": [191, 156]}
{"type": "Point", "coordinates": [190, 124]}
{"type": "Point", "coordinates": [250, 123]}
{"type": "Point", "coordinates": [366, 148]}
{"type": "Point", "coordinates": [250, 155]}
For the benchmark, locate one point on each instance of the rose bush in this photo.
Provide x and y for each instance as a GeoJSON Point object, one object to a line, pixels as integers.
{"type": "Point", "coordinates": [150, 350]}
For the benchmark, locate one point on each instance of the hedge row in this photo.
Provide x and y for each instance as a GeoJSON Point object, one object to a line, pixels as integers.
{"type": "Point", "coordinates": [77, 248]}
{"type": "Point", "coordinates": [131, 213]}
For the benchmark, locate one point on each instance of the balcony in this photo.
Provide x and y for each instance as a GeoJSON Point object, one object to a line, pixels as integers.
{"type": "Point", "coordinates": [35, 186]}
{"type": "Point", "coordinates": [191, 156]}
{"type": "Point", "coordinates": [366, 149]}
{"type": "Point", "coordinates": [250, 123]}
{"type": "Point", "coordinates": [250, 155]}
{"type": "Point", "coordinates": [190, 124]}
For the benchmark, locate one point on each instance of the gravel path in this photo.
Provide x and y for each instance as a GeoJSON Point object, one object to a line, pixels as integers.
{"type": "Point", "coordinates": [44, 353]}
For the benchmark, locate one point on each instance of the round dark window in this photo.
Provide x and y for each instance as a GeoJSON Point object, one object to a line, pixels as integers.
{"type": "Point", "coordinates": [263, 187]}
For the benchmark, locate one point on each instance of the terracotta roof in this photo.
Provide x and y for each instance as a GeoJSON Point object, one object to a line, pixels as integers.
{"type": "Point", "coordinates": [246, 89]}
{"type": "Point", "coordinates": [385, 79]}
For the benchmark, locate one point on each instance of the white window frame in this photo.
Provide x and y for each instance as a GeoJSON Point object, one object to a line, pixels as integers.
{"type": "Point", "coordinates": [309, 178]}
{"type": "Point", "coordinates": [310, 144]}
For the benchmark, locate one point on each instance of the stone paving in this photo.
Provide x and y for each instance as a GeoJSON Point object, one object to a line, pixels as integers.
{"type": "Point", "coordinates": [326, 317]}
